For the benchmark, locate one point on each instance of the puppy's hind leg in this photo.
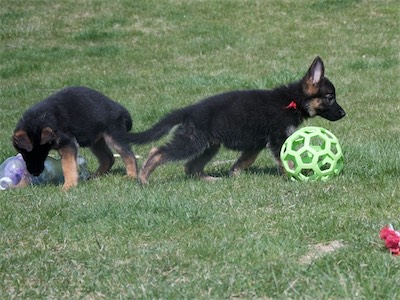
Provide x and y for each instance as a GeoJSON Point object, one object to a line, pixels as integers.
{"type": "Point", "coordinates": [245, 160]}
{"type": "Point", "coordinates": [127, 155]}
{"type": "Point", "coordinates": [195, 166]}
{"type": "Point", "coordinates": [186, 143]}
{"type": "Point", "coordinates": [104, 156]}
{"type": "Point", "coordinates": [156, 158]}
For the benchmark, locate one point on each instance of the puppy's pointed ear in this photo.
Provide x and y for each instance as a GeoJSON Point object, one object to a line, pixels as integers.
{"type": "Point", "coordinates": [22, 141]}
{"type": "Point", "coordinates": [316, 71]}
{"type": "Point", "coordinates": [47, 136]}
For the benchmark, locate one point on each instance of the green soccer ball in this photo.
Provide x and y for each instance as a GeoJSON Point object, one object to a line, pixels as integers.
{"type": "Point", "coordinates": [311, 154]}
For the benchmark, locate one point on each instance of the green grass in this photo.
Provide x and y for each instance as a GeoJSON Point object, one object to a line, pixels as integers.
{"type": "Point", "coordinates": [246, 237]}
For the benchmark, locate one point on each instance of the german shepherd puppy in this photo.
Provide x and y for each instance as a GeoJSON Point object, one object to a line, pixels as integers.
{"type": "Point", "coordinates": [71, 117]}
{"type": "Point", "coordinates": [245, 121]}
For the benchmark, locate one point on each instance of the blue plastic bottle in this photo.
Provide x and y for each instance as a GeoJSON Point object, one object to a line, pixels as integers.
{"type": "Point", "coordinates": [12, 171]}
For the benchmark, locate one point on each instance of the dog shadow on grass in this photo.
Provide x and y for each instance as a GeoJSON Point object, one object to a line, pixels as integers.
{"type": "Point", "coordinates": [224, 173]}
{"type": "Point", "coordinates": [219, 172]}
{"type": "Point", "coordinates": [221, 168]}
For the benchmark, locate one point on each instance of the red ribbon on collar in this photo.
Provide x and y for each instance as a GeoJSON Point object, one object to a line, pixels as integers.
{"type": "Point", "coordinates": [292, 105]}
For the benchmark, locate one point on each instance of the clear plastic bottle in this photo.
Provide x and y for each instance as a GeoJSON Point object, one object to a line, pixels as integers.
{"type": "Point", "coordinates": [82, 168]}
{"type": "Point", "coordinates": [53, 173]}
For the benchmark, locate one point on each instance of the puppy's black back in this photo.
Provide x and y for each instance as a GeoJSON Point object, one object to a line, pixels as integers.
{"type": "Point", "coordinates": [240, 120]}
{"type": "Point", "coordinates": [79, 112]}
{"type": "Point", "coordinates": [244, 120]}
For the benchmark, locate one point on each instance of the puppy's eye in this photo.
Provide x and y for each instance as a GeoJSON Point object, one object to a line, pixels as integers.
{"type": "Point", "coordinates": [330, 97]}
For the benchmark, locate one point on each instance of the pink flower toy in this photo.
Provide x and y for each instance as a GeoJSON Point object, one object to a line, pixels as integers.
{"type": "Point", "coordinates": [391, 238]}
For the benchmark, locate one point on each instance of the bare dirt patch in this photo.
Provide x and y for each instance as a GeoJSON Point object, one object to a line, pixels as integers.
{"type": "Point", "coordinates": [319, 250]}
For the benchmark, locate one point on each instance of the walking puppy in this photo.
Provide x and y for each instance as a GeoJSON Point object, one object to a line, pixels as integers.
{"type": "Point", "coordinates": [71, 117]}
{"type": "Point", "coordinates": [245, 121]}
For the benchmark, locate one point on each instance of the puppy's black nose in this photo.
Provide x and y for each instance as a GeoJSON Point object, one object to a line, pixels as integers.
{"type": "Point", "coordinates": [342, 113]}
{"type": "Point", "coordinates": [35, 172]}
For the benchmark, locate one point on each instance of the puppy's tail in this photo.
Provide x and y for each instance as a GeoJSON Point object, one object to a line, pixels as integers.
{"type": "Point", "coordinates": [159, 129]}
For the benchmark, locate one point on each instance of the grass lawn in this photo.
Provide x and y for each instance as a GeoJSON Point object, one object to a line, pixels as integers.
{"type": "Point", "coordinates": [255, 236]}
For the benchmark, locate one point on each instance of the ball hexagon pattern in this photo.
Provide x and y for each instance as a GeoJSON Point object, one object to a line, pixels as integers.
{"type": "Point", "coordinates": [312, 153]}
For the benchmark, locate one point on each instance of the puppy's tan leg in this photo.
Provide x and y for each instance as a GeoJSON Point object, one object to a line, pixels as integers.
{"type": "Point", "coordinates": [155, 159]}
{"type": "Point", "coordinates": [245, 160]}
{"type": "Point", "coordinates": [69, 166]}
{"type": "Point", "coordinates": [126, 153]}
{"type": "Point", "coordinates": [104, 156]}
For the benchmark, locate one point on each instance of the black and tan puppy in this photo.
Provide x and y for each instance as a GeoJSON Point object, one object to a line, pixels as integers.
{"type": "Point", "coordinates": [245, 121]}
{"type": "Point", "coordinates": [71, 117]}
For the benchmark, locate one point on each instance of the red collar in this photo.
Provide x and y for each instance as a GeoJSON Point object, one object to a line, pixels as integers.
{"type": "Point", "coordinates": [292, 105]}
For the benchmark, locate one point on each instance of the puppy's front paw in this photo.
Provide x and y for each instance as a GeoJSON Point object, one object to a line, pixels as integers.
{"type": "Point", "coordinates": [143, 180]}
{"type": "Point", "coordinates": [68, 185]}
